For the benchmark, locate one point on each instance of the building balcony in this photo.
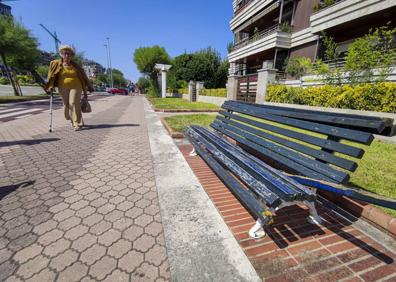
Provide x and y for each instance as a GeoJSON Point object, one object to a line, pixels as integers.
{"type": "Point", "coordinates": [241, 6]}
{"type": "Point", "coordinates": [249, 9]}
{"type": "Point", "coordinates": [344, 11]}
{"type": "Point", "coordinates": [264, 40]}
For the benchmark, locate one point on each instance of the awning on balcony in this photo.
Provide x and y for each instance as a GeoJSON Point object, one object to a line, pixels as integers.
{"type": "Point", "coordinates": [267, 10]}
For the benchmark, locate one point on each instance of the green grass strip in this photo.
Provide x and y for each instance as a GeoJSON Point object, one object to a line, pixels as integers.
{"type": "Point", "coordinates": [180, 104]}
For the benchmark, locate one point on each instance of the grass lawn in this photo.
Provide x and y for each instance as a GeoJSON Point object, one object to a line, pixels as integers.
{"type": "Point", "coordinates": [375, 172]}
{"type": "Point", "coordinates": [180, 122]}
{"type": "Point", "coordinates": [180, 104]}
{"type": "Point", "coordinates": [12, 99]}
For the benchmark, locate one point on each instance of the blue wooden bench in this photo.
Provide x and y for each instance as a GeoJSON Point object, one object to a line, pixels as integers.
{"type": "Point", "coordinates": [271, 157]}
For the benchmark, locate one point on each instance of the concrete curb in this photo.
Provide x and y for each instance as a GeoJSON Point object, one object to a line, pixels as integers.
{"type": "Point", "coordinates": [172, 133]}
{"type": "Point", "coordinates": [199, 244]}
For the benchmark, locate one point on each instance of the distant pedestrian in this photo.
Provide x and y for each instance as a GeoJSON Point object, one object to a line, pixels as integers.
{"type": "Point", "coordinates": [72, 82]}
{"type": "Point", "coordinates": [137, 89]}
{"type": "Point", "coordinates": [131, 88]}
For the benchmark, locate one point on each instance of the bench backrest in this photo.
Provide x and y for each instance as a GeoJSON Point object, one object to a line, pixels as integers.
{"type": "Point", "coordinates": [303, 142]}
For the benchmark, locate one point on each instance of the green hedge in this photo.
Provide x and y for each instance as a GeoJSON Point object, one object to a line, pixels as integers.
{"type": "Point", "coordinates": [182, 91]}
{"type": "Point", "coordinates": [219, 92]}
{"type": "Point", "coordinates": [379, 97]}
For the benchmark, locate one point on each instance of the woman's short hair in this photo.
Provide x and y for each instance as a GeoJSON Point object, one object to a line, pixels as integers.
{"type": "Point", "coordinates": [67, 47]}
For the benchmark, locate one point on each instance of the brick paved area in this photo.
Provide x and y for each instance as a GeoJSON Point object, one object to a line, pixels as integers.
{"type": "Point", "coordinates": [80, 206]}
{"type": "Point", "coordinates": [294, 250]}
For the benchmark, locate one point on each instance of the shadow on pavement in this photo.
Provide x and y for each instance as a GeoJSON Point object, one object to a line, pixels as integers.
{"type": "Point", "coordinates": [28, 142]}
{"type": "Point", "coordinates": [295, 228]}
{"type": "Point", "coordinates": [5, 190]}
{"type": "Point", "coordinates": [100, 126]}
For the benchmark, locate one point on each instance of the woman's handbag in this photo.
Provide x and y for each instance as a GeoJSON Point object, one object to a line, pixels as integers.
{"type": "Point", "coordinates": [85, 106]}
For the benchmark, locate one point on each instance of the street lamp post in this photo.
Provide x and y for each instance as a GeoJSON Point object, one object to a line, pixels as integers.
{"type": "Point", "coordinates": [111, 69]}
{"type": "Point", "coordinates": [107, 56]}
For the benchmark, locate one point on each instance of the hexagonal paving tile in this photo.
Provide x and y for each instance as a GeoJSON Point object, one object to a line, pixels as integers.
{"type": "Point", "coordinates": [93, 254]}
{"type": "Point", "coordinates": [131, 261]}
{"type": "Point", "coordinates": [144, 243]}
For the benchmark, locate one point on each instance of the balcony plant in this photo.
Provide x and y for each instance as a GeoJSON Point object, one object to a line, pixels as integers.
{"type": "Point", "coordinates": [285, 27]}
{"type": "Point", "coordinates": [323, 4]}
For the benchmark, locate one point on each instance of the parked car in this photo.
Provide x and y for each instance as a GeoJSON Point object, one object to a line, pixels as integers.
{"type": "Point", "coordinates": [119, 91]}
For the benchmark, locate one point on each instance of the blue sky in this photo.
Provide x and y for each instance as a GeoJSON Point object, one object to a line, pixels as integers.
{"type": "Point", "coordinates": [177, 25]}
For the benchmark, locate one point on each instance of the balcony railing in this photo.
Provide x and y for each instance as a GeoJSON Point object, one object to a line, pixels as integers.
{"type": "Point", "coordinates": [255, 37]}
{"type": "Point", "coordinates": [242, 5]}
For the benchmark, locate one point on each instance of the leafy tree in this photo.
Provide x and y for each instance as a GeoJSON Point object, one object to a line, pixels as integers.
{"type": "Point", "coordinates": [368, 56]}
{"type": "Point", "coordinates": [17, 48]}
{"type": "Point", "coordinates": [331, 51]}
{"type": "Point", "coordinates": [118, 78]}
{"type": "Point", "coordinates": [298, 66]}
{"type": "Point", "coordinates": [144, 84]}
{"type": "Point", "coordinates": [42, 70]}
{"type": "Point", "coordinates": [145, 59]}
{"type": "Point", "coordinates": [204, 65]}
{"type": "Point", "coordinates": [333, 75]}
{"type": "Point", "coordinates": [101, 79]}
{"type": "Point", "coordinates": [375, 51]}
{"type": "Point", "coordinates": [222, 74]}
{"type": "Point", "coordinates": [183, 67]}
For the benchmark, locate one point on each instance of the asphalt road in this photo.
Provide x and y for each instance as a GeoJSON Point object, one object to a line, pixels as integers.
{"type": "Point", "coordinates": [20, 110]}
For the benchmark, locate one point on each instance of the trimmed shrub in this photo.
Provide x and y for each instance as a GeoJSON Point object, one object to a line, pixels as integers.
{"type": "Point", "coordinates": [182, 91]}
{"type": "Point", "coordinates": [219, 92]}
{"type": "Point", "coordinates": [379, 97]}
{"type": "Point", "coordinates": [25, 79]}
{"type": "Point", "coordinates": [4, 80]}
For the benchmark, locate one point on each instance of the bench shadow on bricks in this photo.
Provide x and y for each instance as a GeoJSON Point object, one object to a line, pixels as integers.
{"type": "Point", "coordinates": [248, 147]}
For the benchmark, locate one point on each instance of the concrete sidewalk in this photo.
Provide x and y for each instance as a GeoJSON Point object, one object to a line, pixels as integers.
{"type": "Point", "coordinates": [93, 205]}
{"type": "Point", "coordinates": [80, 206]}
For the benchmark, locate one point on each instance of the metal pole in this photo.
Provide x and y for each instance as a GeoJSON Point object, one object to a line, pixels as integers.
{"type": "Point", "coordinates": [56, 43]}
{"type": "Point", "coordinates": [281, 11]}
{"type": "Point", "coordinates": [107, 56]}
{"type": "Point", "coordinates": [111, 69]}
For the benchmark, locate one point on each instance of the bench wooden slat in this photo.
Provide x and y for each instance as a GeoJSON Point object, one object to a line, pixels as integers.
{"type": "Point", "coordinates": [387, 121]}
{"type": "Point", "coordinates": [278, 181]}
{"type": "Point", "coordinates": [323, 143]}
{"type": "Point", "coordinates": [285, 191]}
{"type": "Point", "coordinates": [348, 134]}
{"type": "Point", "coordinates": [361, 195]}
{"type": "Point", "coordinates": [299, 159]}
{"type": "Point", "coordinates": [271, 199]}
{"type": "Point", "coordinates": [246, 197]}
{"type": "Point", "coordinates": [318, 154]}
{"type": "Point", "coordinates": [353, 121]}
{"type": "Point", "coordinates": [292, 165]}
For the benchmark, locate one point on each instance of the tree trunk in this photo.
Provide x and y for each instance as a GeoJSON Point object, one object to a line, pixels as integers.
{"type": "Point", "coordinates": [17, 84]}
{"type": "Point", "coordinates": [38, 79]}
{"type": "Point", "coordinates": [9, 75]}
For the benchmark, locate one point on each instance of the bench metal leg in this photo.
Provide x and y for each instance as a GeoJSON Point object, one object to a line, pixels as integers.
{"type": "Point", "coordinates": [193, 153]}
{"type": "Point", "coordinates": [314, 217]}
{"type": "Point", "coordinates": [257, 231]}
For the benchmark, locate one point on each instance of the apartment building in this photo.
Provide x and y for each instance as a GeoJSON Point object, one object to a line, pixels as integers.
{"type": "Point", "coordinates": [5, 9]}
{"type": "Point", "coordinates": [274, 30]}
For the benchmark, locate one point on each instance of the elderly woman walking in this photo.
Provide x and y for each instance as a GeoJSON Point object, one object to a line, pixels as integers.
{"type": "Point", "coordinates": [72, 82]}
